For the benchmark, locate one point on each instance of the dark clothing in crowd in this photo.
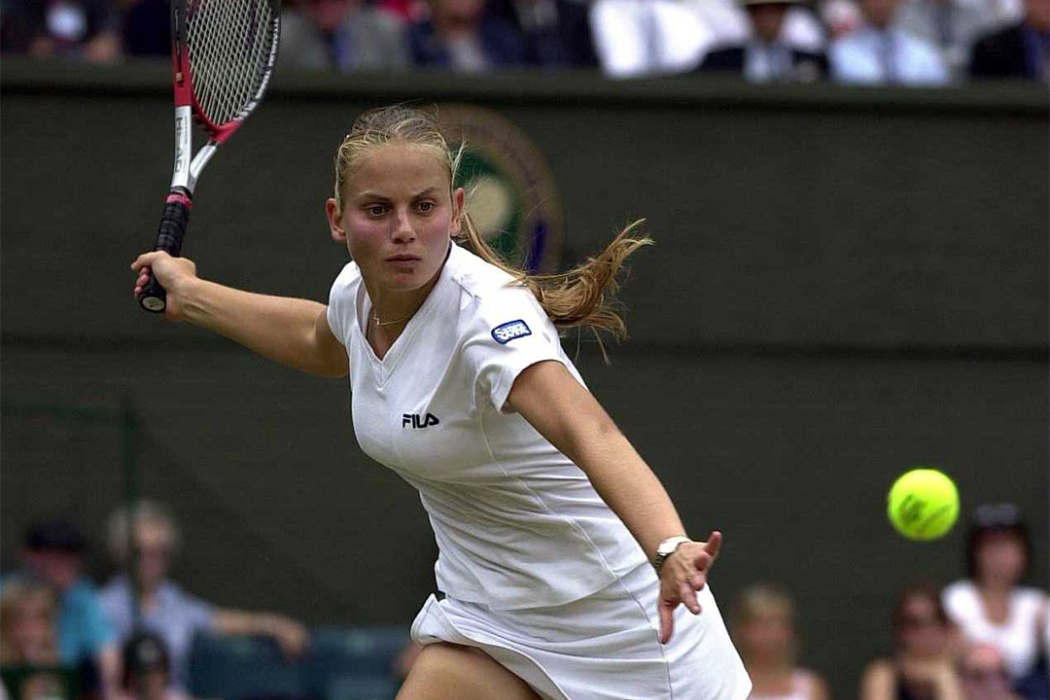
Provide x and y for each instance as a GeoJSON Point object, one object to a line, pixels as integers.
{"type": "Point", "coordinates": [557, 33]}
{"type": "Point", "coordinates": [1015, 52]}
{"type": "Point", "coordinates": [146, 29]}
{"type": "Point", "coordinates": [498, 45]}
{"type": "Point", "coordinates": [799, 66]}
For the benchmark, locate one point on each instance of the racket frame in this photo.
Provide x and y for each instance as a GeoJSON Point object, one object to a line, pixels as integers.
{"type": "Point", "coordinates": [187, 171]}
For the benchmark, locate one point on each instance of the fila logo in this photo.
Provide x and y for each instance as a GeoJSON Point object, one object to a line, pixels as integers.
{"type": "Point", "coordinates": [411, 420]}
{"type": "Point", "coordinates": [509, 331]}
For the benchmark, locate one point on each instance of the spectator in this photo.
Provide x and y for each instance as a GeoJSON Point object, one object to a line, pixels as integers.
{"type": "Point", "coordinates": [983, 673]}
{"type": "Point", "coordinates": [52, 555]}
{"type": "Point", "coordinates": [557, 32]}
{"type": "Point", "coordinates": [165, 607]}
{"type": "Point", "coordinates": [27, 641]}
{"type": "Point", "coordinates": [1020, 51]}
{"type": "Point", "coordinates": [991, 605]}
{"type": "Point", "coordinates": [730, 24]}
{"type": "Point", "coordinates": [459, 35]}
{"type": "Point", "coordinates": [880, 54]}
{"type": "Point", "coordinates": [953, 25]}
{"type": "Point", "coordinates": [841, 17]}
{"type": "Point", "coordinates": [764, 633]}
{"type": "Point", "coordinates": [85, 29]}
{"type": "Point", "coordinates": [147, 670]}
{"type": "Point", "coordinates": [922, 668]}
{"type": "Point", "coordinates": [345, 34]}
{"type": "Point", "coordinates": [638, 38]}
{"type": "Point", "coordinates": [766, 57]}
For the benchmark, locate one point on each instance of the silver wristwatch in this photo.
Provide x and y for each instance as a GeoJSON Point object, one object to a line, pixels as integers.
{"type": "Point", "coordinates": [666, 549]}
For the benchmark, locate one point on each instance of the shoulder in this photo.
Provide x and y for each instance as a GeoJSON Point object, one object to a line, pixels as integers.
{"type": "Point", "coordinates": [918, 46]}
{"type": "Point", "coordinates": [854, 41]}
{"type": "Point", "coordinates": [1030, 597]}
{"type": "Point", "coordinates": [115, 592]}
{"type": "Point", "coordinates": [811, 684]}
{"type": "Point", "coordinates": [960, 594]}
{"type": "Point", "coordinates": [485, 289]}
{"type": "Point", "coordinates": [342, 302]}
{"type": "Point", "coordinates": [850, 50]}
{"type": "Point", "coordinates": [348, 277]}
{"type": "Point", "coordinates": [493, 306]}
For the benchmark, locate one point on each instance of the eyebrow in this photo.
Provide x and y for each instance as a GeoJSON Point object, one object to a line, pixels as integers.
{"type": "Point", "coordinates": [377, 195]}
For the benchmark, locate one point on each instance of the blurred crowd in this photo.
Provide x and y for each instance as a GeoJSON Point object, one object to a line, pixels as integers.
{"type": "Point", "coordinates": [907, 42]}
{"type": "Point", "coordinates": [61, 637]}
{"type": "Point", "coordinates": [983, 637]}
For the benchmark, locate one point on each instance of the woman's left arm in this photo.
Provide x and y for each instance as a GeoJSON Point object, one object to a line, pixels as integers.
{"type": "Point", "coordinates": [567, 415]}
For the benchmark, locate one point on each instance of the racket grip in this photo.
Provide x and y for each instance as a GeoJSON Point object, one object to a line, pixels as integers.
{"type": "Point", "coordinates": [169, 239]}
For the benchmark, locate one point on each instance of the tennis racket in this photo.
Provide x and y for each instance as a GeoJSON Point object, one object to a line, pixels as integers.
{"type": "Point", "coordinates": [222, 53]}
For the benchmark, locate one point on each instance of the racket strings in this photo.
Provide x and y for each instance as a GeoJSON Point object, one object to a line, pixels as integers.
{"type": "Point", "coordinates": [230, 44]}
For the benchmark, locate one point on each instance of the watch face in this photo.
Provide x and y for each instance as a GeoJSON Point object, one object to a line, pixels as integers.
{"type": "Point", "coordinates": [666, 549]}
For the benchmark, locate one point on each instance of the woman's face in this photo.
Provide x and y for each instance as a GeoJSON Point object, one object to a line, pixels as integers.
{"type": "Point", "coordinates": [767, 636]}
{"type": "Point", "coordinates": [1000, 558]}
{"type": "Point", "coordinates": [921, 633]}
{"type": "Point", "coordinates": [397, 218]}
{"type": "Point", "coordinates": [154, 551]}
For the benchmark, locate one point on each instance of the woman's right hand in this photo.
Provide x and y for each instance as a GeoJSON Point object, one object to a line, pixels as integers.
{"type": "Point", "coordinates": [174, 274]}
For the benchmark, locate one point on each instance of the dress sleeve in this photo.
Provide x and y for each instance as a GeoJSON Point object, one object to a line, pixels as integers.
{"type": "Point", "coordinates": [342, 311]}
{"type": "Point", "coordinates": [199, 613]}
{"type": "Point", "coordinates": [508, 332]}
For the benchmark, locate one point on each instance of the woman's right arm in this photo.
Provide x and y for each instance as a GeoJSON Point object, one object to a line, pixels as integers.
{"type": "Point", "coordinates": [291, 331]}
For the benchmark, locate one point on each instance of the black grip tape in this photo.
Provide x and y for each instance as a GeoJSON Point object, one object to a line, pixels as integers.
{"type": "Point", "coordinates": [169, 239]}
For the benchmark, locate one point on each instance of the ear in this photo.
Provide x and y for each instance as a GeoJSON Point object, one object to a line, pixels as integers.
{"type": "Point", "coordinates": [459, 198]}
{"type": "Point", "coordinates": [332, 211]}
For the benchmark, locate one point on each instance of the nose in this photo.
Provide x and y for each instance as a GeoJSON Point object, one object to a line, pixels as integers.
{"type": "Point", "coordinates": [403, 231]}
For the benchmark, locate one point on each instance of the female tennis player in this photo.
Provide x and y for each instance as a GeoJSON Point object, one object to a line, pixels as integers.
{"type": "Point", "coordinates": [563, 563]}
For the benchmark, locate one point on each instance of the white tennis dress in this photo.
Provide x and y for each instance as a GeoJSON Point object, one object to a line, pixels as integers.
{"type": "Point", "coordinates": [533, 568]}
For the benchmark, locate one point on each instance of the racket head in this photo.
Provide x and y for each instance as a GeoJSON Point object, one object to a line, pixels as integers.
{"type": "Point", "coordinates": [223, 54]}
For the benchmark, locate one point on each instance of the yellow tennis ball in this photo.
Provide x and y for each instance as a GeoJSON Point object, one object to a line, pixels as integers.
{"type": "Point", "coordinates": [923, 504]}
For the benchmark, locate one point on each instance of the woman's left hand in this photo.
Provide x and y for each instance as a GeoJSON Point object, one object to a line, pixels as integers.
{"type": "Point", "coordinates": [681, 576]}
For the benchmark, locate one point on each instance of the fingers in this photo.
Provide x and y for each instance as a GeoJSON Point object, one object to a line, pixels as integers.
{"type": "Point", "coordinates": [688, 596]}
{"type": "Point", "coordinates": [666, 621]}
{"type": "Point", "coordinates": [147, 259]}
{"type": "Point", "coordinates": [713, 544]}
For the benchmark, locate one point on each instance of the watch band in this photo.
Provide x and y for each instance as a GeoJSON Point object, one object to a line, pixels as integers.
{"type": "Point", "coordinates": [666, 549]}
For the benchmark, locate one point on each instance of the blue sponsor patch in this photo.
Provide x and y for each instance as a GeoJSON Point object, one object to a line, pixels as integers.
{"type": "Point", "coordinates": [507, 332]}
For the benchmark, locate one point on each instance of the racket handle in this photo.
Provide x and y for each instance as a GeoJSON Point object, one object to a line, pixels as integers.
{"type": "Point", "coordinates": [169, 239]}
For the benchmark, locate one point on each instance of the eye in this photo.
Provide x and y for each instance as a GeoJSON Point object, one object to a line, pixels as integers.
{"type": "Point", "coordinates": [426, 206]}
{"type": "Point", "coordinates": [375, 210]}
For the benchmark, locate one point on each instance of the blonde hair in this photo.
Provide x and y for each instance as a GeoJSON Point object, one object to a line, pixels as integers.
{"type": "Point", "coordinates": [145, 513]}
{"type": "Point", "coordinates": [16, 596]}
{"type": "Point", "coordinates": [582, 296]}
{"type": "Point", "coordinates": [763, 600]}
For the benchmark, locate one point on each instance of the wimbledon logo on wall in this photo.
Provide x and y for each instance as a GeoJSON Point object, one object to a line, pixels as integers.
{"type": "Point", "coordinates": [511, 196]}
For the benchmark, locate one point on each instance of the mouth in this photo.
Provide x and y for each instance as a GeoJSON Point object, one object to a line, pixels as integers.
{"type": "Point", "coordinates": [403, 259]}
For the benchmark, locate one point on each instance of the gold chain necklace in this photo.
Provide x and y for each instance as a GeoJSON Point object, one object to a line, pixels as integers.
{"type": "Point", "coordinates": [375, 317]}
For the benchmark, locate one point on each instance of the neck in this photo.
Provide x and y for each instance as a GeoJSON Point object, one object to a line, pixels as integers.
{"type": "Point", "coordinates": [768, 666]}
{"type": "Point", "coordinates": [995, 587]}
{"type": "Point", "coordinates": [390, 310]}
